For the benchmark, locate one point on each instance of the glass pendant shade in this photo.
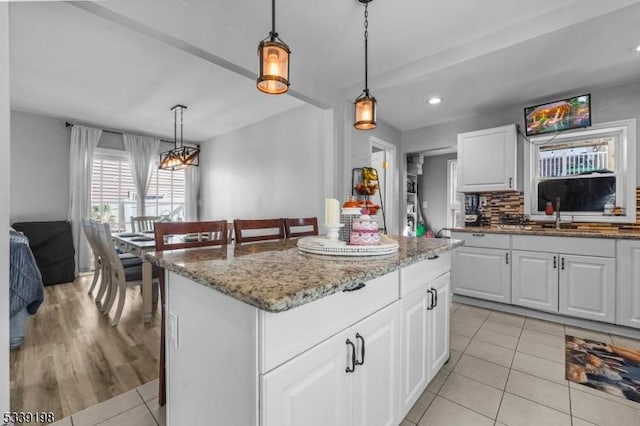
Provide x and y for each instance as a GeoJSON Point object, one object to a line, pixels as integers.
{"type": "Point", "coordinates": [365, 112]}
{"type": "Point", "coordinates": [274, 67]}
{"type": "Point", "coordinates": [365, 105]}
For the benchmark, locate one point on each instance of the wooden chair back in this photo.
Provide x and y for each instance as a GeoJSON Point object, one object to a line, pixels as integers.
{"type": "Point", "coordinates": [309, 226]}
{"type": "Point", "coordinates": [190, 234]}
{"type": "Point", "coordinates": [268, 229]}
{"type": "Point", "coordinates": [143, 223]}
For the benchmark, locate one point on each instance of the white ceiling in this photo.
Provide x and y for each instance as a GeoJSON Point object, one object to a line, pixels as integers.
{"type": "Point", "coordinates": [123, 64]}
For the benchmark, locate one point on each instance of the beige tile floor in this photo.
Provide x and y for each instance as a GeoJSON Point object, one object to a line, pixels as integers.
{"type": "Point", "coordinates": [504, 370]}
{"type": "Point", "coordinates": [138, 407]}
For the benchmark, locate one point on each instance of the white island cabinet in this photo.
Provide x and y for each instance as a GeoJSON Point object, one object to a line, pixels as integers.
{"type": "Point", "coordinates": [333, 361]}
{"type": "Point", "coordinates": [424, 307]}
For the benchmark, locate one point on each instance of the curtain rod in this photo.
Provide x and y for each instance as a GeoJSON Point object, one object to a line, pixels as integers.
{"type": "Point", "coordinates": [67, 124]}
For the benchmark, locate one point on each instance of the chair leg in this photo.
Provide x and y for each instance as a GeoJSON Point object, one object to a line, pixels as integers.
{"type": "Point", "coordinates": [162, 378]}
{"type": "Point", "coordinates": [154, 294]}
{"type": "Point", "coordinates": [104, 285]}
{"type": "Point", "coordinates": [122, 294]}
{"type": "Point", "coordinates": [96, 273]}
{"type": "Point", "coordinates": [112, 291]}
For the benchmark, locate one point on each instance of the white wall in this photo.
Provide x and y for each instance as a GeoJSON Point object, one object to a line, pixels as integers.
{"type": "Point", "coordinates": [5, 148]}
{"type": "Point", "coordinates": [39, 167]}
{"type": "Point", "coordinates": [274, 168]}
{"type": "Point", "coordinates": [607, 104]}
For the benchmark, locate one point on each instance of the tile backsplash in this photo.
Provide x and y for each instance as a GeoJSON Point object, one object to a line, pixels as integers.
{"type": "Point", "coordinates": [513, 203]}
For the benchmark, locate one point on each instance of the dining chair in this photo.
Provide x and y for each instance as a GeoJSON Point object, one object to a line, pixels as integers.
{"type": "Point", "coordinates": [258, 230]}
{"type": "Point", "coordinates": [181, 235]}
{"type": "Point", "coordinates": [106, 292]}
{"type": "Point", "coordinates": [97, 260]}
{"type": "Point", "coordinates": [178, 235]}
{"type": "Point", "coordinates": [143, 223]}
{"type": "Point", "coordinates": [304, 226]}
{"type": "Point", "coordinates": [121, 277]}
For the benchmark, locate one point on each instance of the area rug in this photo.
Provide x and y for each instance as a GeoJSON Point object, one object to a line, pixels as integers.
{"type": "Point", "coordinates": [603, 366]}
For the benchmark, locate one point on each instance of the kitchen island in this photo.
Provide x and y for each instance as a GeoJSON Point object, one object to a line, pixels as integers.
{"type": "Point", "coordinates": [263, 334]}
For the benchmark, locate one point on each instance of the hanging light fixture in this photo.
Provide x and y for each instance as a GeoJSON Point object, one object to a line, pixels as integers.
{"type": "Point", "coordinates": [273, 54]}
{"type": "Point", "coordinates": [365, 104]}
{"type": "Point", "coordinates": [180, 157]}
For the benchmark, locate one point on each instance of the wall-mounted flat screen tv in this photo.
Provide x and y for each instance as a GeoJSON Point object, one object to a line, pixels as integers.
{"type": "Point", "coordinates": [566, 114]}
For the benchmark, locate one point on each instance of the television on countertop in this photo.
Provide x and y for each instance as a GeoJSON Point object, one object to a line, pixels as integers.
{"type": "Point", "coordinates": [565, 114]}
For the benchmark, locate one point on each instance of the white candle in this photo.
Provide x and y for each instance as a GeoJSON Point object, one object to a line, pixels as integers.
{"type": "Point", "coordinates": [331, 211]}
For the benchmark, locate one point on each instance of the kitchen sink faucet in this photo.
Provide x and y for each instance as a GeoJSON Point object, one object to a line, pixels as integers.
{"type": "Point", "coordinates": [557, 212]}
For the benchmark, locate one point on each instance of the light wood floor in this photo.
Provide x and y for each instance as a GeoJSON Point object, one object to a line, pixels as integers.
{"type": "Point", "coordinates": [73, 358]}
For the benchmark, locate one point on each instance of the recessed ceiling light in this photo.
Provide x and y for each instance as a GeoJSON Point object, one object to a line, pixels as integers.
{"type": "Point", "coordinates": [638, 48]}
{"type": "Point", "coordinates": [435, 100]}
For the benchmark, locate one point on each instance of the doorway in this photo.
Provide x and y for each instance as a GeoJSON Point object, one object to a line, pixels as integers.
{"type": "Point", "coordinates": [383, 159]}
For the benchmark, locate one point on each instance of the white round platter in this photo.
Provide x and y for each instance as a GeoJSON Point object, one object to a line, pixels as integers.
{"type": "Point", "coordinates": [322, 245]}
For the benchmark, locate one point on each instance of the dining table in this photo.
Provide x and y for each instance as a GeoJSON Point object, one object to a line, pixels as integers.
{"type": "Point", "coordinates": [138, 244]}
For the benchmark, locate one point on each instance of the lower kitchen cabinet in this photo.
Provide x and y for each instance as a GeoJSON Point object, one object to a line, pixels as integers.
{"type": "Point", "coordinates": [349, 379]}
{"type": "Point", "coordinates": [481, 268]}
{"type": "Point", "coordinates": [628, 271]}
{"type": "Point", "coordinates": [572, 276]}
{"type": "Point", "coordinates": [480, 272]}
{"type": "Point", "coordinates": [534, 277]}
{"type": "Point", "coordinates": [312, 389]}
{"type": "Point", "coordinates": [425, 338]}
{"type": "Point", "coordinates": [438, 343]}
{"type": "Point", "coordinates": [588, 287]}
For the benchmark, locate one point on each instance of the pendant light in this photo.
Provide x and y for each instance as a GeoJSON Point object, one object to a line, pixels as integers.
{"type": "Point", "coordinates": [365, 104]}
{"type": "Point", "coordinates": [273, 55]}
{"type": "Point", "coordinates": [180, 157]}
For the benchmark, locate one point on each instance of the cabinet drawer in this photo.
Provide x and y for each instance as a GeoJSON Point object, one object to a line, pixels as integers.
{"type": "Point", "coordinates": [421, 273]}
{"type": "Point", "coordinates": [283, 335]}
{"type": "Point", "coordinates": [481, 239]}
{"type": "Point", "coordinates": [603, 247]}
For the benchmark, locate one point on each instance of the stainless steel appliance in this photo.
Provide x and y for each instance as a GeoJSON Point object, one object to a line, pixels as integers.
{"type": "Point", "coordinates": [472, 211]}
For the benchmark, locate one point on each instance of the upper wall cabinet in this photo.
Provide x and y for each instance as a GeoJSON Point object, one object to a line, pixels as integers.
{"type": "Point", "coordinates": [487, 160]}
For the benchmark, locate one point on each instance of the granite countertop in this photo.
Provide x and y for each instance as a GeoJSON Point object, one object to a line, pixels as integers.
{"type": "Point", "coordinates": [620, 234]}
{"type": "Point", "coordinates": [275, 276]}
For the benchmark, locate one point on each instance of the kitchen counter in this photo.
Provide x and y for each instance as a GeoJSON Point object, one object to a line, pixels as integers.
{"type": "Point", "coordinates": [552, 232]}
{"type": "Point", "coordinates": [276, 277]}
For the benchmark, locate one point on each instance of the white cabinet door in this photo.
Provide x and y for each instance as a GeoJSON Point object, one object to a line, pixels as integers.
{"type": "Point", "coordinates": [312, 389]}
{"type": "Point", "coordinates": [438, 326]}
{"type": "Point", "coordinates": [375, 381]}
{"type": "Point", "coordinates": [587, 287]}
{"type": "Point", "coordinates": [534, 280]}
{"type": "Point", "coordinates": [481, 272]}
{"type": "Point", "coordinates": [487, 159]}
{"type": "Point", "coordinates": [414, 374]}
{"type": "Point", "coordinates": [628, 304]}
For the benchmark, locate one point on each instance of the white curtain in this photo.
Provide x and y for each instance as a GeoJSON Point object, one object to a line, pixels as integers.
{"type": "Point", "coordinates": [84, 141]}
{"type": "Point", "coordinates": [143, 157]}
{"type": "Point", "coordinates": [192, 190]}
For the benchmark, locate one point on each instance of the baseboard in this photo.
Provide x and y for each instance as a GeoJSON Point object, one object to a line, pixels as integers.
{"type": "Point", "coordinates": [547, 316]}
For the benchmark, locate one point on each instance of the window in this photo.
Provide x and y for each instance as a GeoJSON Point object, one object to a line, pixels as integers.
{"type": "Point", "coordinates": [454, 214]}
{"type": "Point", "coordinates": [114, 197]}
{"type": "Point", "coordinates": [584, 170]}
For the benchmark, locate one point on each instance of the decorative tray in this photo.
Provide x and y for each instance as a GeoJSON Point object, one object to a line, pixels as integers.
{"type": "Point", "coordinates": [323, 245]}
